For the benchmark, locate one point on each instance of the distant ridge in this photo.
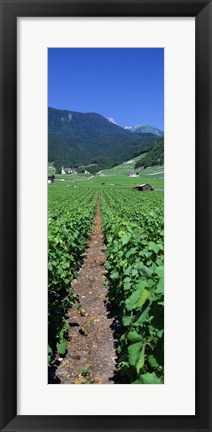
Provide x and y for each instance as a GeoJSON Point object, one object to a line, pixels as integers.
{"type": "Point", "coordinates": [76, 139]}
{"type": "Point", "coordinates": [145, 129]}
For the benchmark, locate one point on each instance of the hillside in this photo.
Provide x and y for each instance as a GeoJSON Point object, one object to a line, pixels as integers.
{"type": "Point", "coordinates": [76, 139]}
{"type": "Point", "coordinates": [128, 167]}
{"type": "Point", "coordinates": [154, 157]}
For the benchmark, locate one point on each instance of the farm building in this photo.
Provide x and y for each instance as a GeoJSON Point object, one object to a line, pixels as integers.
{"type": "Point", "coordinates": [51, 179]}
{"type": "Point", "coordinates": [144, 187]}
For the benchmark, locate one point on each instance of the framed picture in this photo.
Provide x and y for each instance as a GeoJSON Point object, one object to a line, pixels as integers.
{"type": "Point", "coordinates": [28, 402]}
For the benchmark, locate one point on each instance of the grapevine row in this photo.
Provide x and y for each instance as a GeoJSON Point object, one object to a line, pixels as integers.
{"type": "Point", "coordinates": [133, 229]}
{"type": "Point", "coordinates": [69, 224]}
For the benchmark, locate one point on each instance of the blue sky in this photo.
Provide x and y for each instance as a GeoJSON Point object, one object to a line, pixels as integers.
{"type": "Point", "coordinates": [126, 84]}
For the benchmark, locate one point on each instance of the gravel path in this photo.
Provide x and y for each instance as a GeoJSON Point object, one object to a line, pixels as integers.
{"type": "Point", "coordinates": [91, 353]}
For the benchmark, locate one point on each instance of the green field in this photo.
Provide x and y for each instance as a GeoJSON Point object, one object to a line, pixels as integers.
{"type": "Point", "coordinates": [152, 176]}
{"type": "Point", "coordinates": [147, 175]}
{"type": "Point", "coordinates": [133, 227]}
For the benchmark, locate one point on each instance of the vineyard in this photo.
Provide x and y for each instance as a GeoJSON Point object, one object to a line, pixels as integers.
{"type": "Point", "coordinates": [133, 228]}
{"type": "Point", "coordinates": [69, 224]}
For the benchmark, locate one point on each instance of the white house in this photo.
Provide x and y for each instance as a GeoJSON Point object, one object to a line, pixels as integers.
{"type": "Point", "coordinates": [66, 170]}
{"type": "Point", "coordinates": [132, 174]}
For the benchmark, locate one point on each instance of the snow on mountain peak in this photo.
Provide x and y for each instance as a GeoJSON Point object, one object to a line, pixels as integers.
{"type": "Point", "coordinates": [111, 120]}
{"type": "Point", "coordinates": [130, 127]}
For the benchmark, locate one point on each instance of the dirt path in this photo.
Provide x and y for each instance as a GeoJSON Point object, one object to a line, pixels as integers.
{"type": "Point", "coordinates": [91, 353]}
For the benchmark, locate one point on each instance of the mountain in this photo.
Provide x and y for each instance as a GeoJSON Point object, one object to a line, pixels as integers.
{"type": "Point", "coordinates": [145, 129]}
{"type": "Point", "coordinates": [76, 139]}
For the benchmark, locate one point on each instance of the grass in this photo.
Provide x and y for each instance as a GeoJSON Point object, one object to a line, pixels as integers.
{"type": "Point", "coordinates": [129, 167]}
{"type": "Point", "coordinates": [124, 168]}
{"type": "Point", "coordinates": [115, 177]}
{"type": "Point", "coordinates": [120, 181]}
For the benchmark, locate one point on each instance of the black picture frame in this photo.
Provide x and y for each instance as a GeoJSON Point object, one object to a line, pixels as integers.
{"type": "Point", "coordinates": [10, 10]}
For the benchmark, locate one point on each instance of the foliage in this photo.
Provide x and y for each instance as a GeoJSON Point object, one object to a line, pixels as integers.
{"type": "Point", "coordinates": [133, 227]}
{"type": "Point", "coordinates": [154, 157]}
{"type": "Point", "coordinates": [85, 369]}
{"type": "Point", "coordinates": [69, 224]}
{"type": "Point", "coordinates": [134, 247]}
